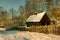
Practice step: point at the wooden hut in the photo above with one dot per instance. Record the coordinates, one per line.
(39, 19)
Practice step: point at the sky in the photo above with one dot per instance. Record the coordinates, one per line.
(7, 4)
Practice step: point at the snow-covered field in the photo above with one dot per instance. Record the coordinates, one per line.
(21, 35)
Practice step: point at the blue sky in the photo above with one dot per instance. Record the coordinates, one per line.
(7, 4)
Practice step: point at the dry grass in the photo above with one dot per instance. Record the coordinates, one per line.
(45, 29)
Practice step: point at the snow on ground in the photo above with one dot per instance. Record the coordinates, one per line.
(2, 28)
(21, 35)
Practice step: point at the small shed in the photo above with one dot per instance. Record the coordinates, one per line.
(39, 19)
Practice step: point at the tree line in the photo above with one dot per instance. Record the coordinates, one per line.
(18, 18)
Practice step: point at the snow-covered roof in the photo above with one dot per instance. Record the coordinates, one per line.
(35, 18)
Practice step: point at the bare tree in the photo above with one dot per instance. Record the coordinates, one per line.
(3, 17)
(12, 12)
(21, 10)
